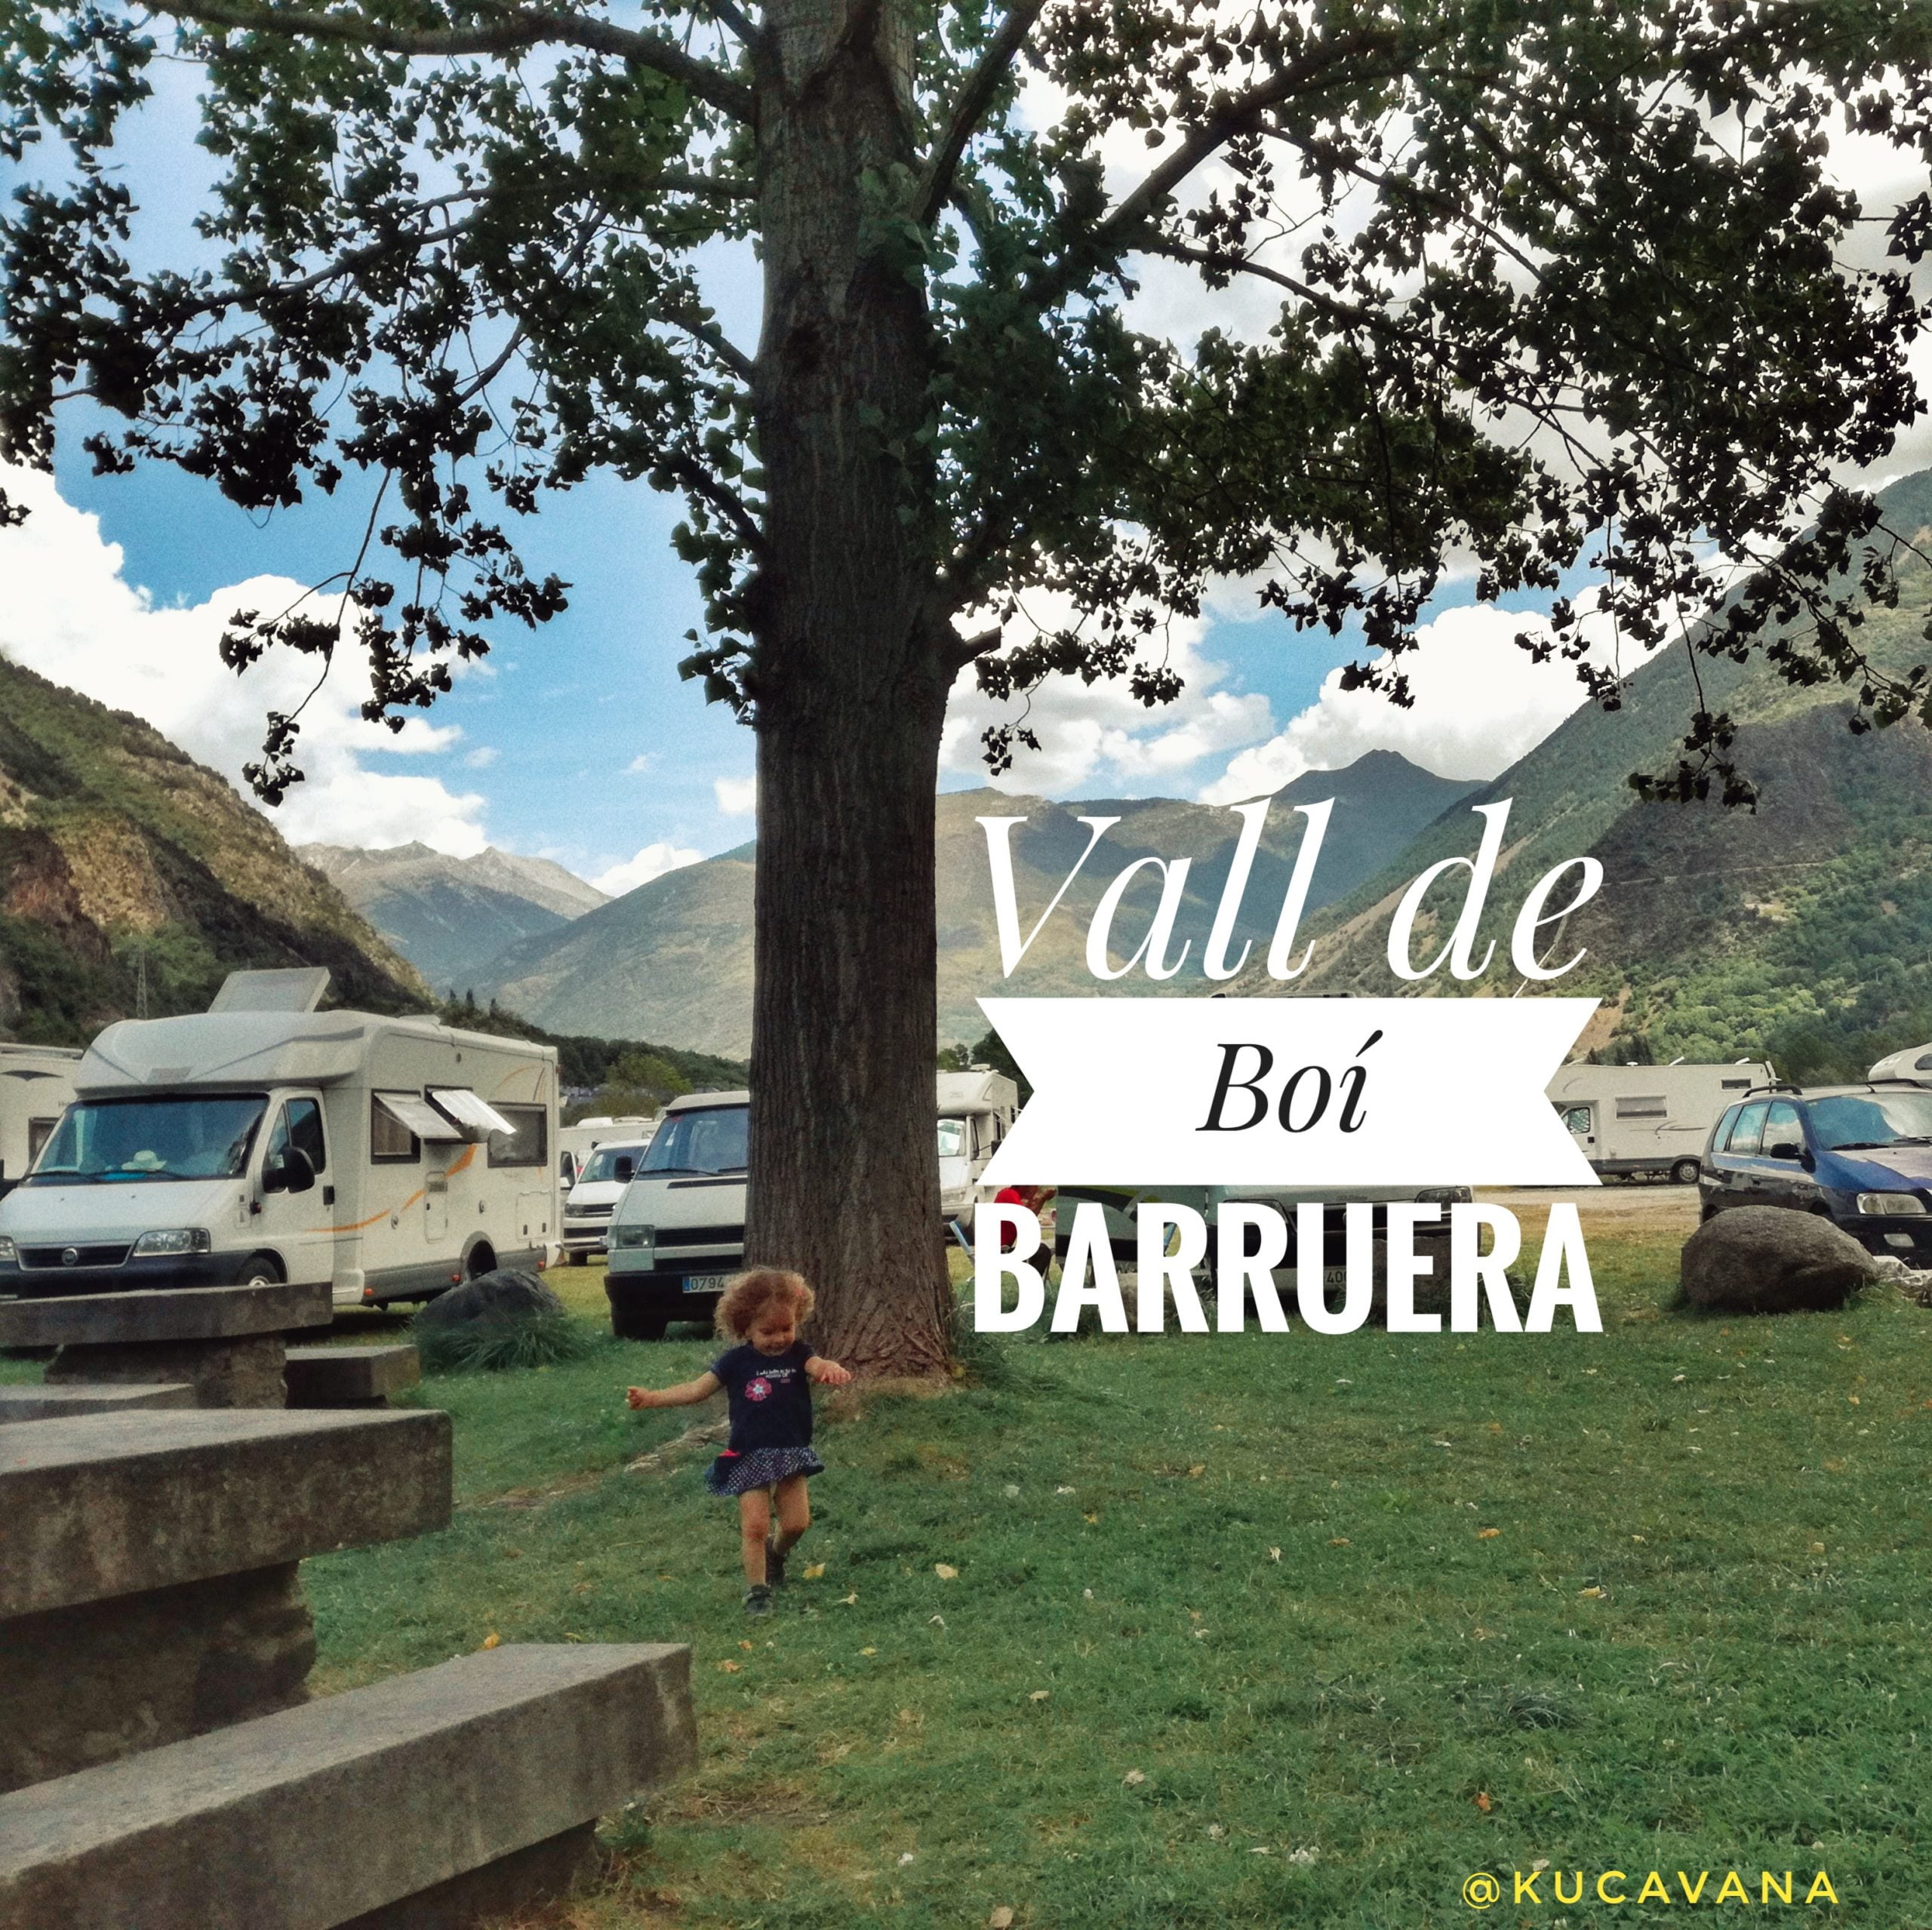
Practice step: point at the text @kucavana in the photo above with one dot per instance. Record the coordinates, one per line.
(1541, 1883)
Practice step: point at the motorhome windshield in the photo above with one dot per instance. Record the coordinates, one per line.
(706, 1139)
(1850, 1120)
(952, 1139)
(602, 1164)
(102, 1141)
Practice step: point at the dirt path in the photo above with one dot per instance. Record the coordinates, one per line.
(1612, 1209)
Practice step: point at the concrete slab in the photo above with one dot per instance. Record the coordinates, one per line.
(117, 1504)
(348, 1376)
(186, 1312)
(317, 1816)
(45, 1403)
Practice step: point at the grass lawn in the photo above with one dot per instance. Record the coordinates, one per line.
(1245, 1631)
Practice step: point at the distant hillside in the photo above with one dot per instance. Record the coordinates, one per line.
(1804, 931)
(451, 917)
(673, 959)
(122, 860)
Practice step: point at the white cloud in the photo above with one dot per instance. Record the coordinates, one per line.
(639, 765)
(1481, 703)
(1098, 734)
(70, 614)
(482, 757)
(653, 861)
(737, 797)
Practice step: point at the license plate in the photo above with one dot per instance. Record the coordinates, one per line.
(1335, 1278)
(704, 1283)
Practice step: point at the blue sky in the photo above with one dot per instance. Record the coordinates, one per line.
(579, 741)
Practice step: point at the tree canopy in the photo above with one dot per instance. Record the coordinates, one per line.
(1555, 292)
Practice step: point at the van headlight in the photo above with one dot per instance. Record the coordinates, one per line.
(173, 1240)
(1891, 1203)
(634, 1236)
(8, 1257)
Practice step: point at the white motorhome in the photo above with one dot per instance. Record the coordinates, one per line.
(265, 1140)
(36, 1087)
(1914, 1064)
(976, 1110)
(678, 1232)
(601, 1181)
(1629, 1120)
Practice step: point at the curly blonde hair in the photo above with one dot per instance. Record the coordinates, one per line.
(746, 1296)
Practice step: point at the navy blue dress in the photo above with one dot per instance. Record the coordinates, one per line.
(771, 1419)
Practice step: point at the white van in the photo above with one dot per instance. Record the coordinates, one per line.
(263, 1140)
(36, 1087)
(601, 1182)
(678, 1232)
(976, 1110)
(575, 1144)
(1629, 1120)
(1913, 1065)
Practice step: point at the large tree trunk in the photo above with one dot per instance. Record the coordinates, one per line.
(850, 670)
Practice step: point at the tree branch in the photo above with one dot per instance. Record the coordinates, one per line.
(511, 33)
(936, 184)
(720, 344)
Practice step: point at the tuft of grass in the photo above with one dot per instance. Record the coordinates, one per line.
(499, 1342)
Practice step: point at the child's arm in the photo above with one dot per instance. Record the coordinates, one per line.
(827, 1373)
(687, 1393)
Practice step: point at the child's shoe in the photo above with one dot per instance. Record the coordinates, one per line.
(774, 1564)
(758, 1599)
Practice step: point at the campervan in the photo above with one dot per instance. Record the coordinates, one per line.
(1629, 1120)
(575, 1144)
(976, 1110)
(588, 1206)
(265, 1140)
(36, 1087)
(1914, 1063)
(678, 1232)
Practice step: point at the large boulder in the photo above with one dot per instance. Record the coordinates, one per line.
(508, 1294)
(1771, 1260)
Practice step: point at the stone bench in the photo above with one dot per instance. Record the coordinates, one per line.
(148, 1585)
(350, 1376)
(45, 1403)
(226, 1342)
(422, 1801)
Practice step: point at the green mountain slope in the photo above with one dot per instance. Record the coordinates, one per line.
(673, 959)
(1801, 930)
(122, 861)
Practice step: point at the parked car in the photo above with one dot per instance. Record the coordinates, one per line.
(600, 1185)
(1861, 1155)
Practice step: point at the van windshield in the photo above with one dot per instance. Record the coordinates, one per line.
(706, 1139)
(952, 1139)
(602, 1164)
(1853, 1119)
(100, 1140)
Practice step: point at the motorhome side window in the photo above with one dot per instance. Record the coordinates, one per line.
(300, 1125)
(528, 1144)
(390, 1143)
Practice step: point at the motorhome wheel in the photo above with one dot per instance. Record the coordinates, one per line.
(1684, 1172)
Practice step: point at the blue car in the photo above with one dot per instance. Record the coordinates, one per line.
(1861, 1155)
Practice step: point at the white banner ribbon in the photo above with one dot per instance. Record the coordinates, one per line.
(1317, 1091)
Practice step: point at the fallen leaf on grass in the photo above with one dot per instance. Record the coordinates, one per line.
(492, 1640)
(1338, 1541)
(1274, 1554)
(905, 1859)
(729, 1668)
(1817, 1547)
(1039, 1695)
(744, 1645)
(937, 1622)
(1062, 1491)
(1134, 1778)
(868, 1652)
(814, 1571)
(846, 1601)
(1488, 1534)
(1090, 1517)
(1001, 1919)
(1590, 1594)
(1216, 1831)
(1199, 1468)
(946, 1571)
(1483, 1802)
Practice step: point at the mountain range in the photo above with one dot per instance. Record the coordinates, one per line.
(131, 877)
(672, 959)
(451, 916)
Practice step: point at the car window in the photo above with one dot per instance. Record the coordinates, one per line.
(1781, 1125)
(1721, 1136)
(1748, 1135)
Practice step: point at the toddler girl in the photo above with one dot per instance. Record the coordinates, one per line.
(766, 1377)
